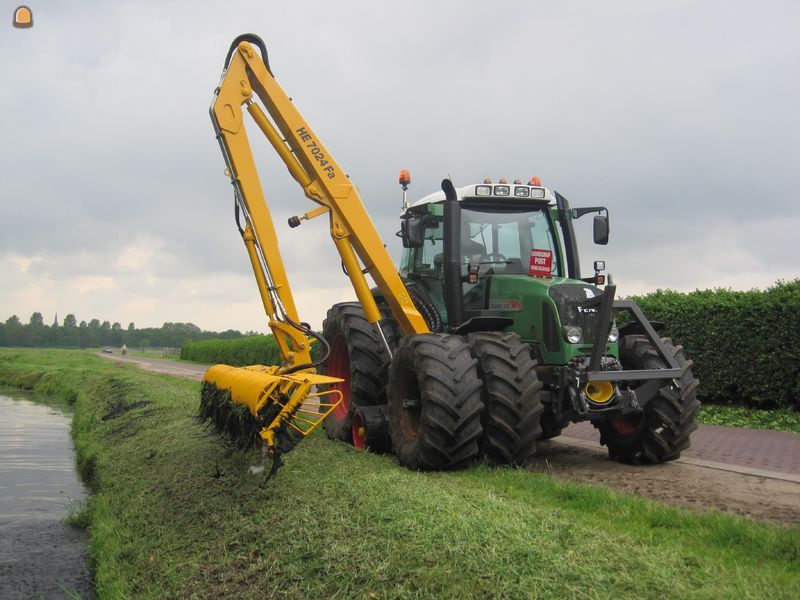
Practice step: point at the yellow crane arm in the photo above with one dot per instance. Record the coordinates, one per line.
(247, 74)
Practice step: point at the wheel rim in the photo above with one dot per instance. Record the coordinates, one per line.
(409, 422)
(626, 425)
(410, 403)
(359, 431)
(410, 408)
(338, 365)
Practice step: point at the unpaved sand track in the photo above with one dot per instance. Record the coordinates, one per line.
(681, 483)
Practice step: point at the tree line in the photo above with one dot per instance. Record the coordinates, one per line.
(73, 334)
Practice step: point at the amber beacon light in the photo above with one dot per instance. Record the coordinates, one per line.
(23, 17)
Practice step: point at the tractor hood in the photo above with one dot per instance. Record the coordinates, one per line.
(541, 309)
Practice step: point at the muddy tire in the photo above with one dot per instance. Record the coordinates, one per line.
(358, 357)
(435, 402)
(550, 428)
(511, 397)
(662, 431)
(371, 429)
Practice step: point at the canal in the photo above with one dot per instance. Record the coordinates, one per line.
(40, 555)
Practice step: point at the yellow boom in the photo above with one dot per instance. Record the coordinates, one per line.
(274, 395)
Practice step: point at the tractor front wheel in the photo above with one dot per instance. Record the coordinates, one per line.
(434, 402)
(662, 430)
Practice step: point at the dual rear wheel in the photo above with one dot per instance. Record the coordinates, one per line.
(449, 399)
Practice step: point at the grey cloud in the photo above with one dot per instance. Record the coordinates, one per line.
(680, 117)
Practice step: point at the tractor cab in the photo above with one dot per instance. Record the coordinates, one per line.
(517, 265)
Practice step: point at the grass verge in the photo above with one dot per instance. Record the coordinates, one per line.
(173, 514)
(739, 416)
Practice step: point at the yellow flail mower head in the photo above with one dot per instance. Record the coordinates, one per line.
(259, 405)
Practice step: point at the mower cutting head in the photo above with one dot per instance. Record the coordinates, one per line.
(260, 404)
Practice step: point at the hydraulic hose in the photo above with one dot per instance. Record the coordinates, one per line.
(253, 39)
(236, 215)
(308, 331)
(423, 304)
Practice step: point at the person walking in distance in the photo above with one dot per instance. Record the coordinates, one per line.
(124, 349)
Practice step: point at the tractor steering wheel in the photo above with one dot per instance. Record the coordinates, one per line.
(496, 257)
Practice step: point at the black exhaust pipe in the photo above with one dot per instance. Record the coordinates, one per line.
(453, 298)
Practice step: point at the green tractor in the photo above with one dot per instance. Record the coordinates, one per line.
(495, 266)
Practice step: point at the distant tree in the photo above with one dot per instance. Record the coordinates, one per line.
(115, 336)
(69, 334)
(83, 335)
(93, 334)
(96, 333)
(14, 333)
(36, 333)
(230, 334)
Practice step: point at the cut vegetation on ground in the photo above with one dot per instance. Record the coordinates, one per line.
(174, 514)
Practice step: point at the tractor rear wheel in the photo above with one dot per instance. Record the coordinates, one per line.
(511, 399)
(662, 431)
(435, 402)
(358, 357)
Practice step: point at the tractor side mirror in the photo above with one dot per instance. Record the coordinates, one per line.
(412, 231)
(601, 230)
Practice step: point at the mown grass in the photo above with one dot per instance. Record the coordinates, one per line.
(174, 514)
(740, 416)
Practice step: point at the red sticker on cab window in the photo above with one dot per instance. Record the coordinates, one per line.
(541, 263)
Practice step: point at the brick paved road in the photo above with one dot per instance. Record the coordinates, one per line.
(752, 448)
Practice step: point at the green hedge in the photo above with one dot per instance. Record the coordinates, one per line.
(745, 345)
(255, 350)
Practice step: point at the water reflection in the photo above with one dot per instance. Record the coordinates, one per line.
(40, 556)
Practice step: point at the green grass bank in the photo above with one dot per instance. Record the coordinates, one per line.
(174, 514)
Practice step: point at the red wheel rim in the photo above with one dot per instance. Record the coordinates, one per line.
(359, 432)
(339, 366)
(625, 425)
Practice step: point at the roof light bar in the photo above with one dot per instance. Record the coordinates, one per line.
(522, 191)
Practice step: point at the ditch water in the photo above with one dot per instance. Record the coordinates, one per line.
(40, 555)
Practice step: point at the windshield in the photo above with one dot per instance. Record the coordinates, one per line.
(507, 242)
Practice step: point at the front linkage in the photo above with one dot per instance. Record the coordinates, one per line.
(644, 404)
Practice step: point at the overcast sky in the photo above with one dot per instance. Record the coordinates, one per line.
(682, 117)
